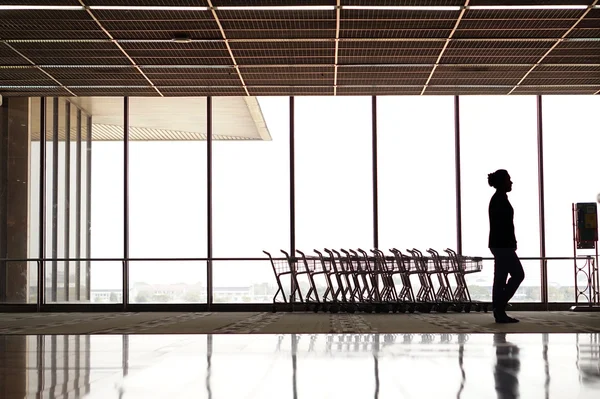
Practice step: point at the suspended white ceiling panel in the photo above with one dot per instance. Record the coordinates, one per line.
(159, 119)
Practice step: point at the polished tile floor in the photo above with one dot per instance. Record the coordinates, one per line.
(301, 366)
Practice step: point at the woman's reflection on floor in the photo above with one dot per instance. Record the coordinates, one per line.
(506, 370)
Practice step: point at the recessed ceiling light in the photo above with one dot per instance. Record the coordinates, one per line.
(404, 8)
(531, 7)
(27, 7)
(274, 8)
(181, 38)
(148, 8)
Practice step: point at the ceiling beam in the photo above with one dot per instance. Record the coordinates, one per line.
(87, 9)
(235, 64)
(560, 40)
(462, 12)
(338, 11)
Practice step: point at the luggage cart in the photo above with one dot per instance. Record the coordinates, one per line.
(345, 271)
(338, 297)
(329, 273)
(361, 289)
(426, 300)
(403, 268)
(312, 267)
(374, 274)
(282, 267)
(389, 295)
(461, 266)
(444, 294)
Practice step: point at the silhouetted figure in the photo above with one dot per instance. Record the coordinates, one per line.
(503, 244)
(506, 371)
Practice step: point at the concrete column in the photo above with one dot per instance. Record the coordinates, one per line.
(14, 190)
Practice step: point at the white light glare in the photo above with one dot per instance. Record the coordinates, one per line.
(404, 8)
(274, 8)
(17, 7)
(148, 8)
(531, 7)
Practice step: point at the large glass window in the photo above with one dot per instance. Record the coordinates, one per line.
(571, 170)
(416, 178)
(250, 194)
(500, 133)
(334, 189)
(167, 198)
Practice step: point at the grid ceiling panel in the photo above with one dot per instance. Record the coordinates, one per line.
(292, 76)
(465, 64)
(396, 52)
(162, 25)
(193, 76)
(102, 74)
(284, 53)
(586, 32)
(574, 56)
(24, 76)
(396, 24)
(48, 24)
(115, 91)
(456, 90)
(491, 75)
(194, 53)
(373, 91)
(90, 53)
(290, 91)
(10, 57)
(475, 81)
(592, 70)
(517, 23)
(548, 90)
(278, 24)
(557, 79)
(36, 92)
(201, 91)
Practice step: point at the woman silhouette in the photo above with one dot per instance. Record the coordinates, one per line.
(503, 244)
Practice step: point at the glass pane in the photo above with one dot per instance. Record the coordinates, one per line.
(561, 280)
(107, 281)
(104, 156)
(251, 203)
(500, 133)
(168, 282)
(16, 188)
(245, 281)
(167, 188)
(334, 189)
(84, 267)
(416, 177)
(480, 284)
(571, 171)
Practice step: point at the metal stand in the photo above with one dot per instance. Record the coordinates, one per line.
(587, 266)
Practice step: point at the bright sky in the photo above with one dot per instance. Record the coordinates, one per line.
(416, 180)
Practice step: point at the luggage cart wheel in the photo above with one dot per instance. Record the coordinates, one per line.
(467, 308)
(485, 308)
(411, 309)
(316, 308)
(274, 309)
(443, 308)
(351, 309)
(334, 309)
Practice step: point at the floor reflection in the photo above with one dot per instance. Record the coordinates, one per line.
(301, 366)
